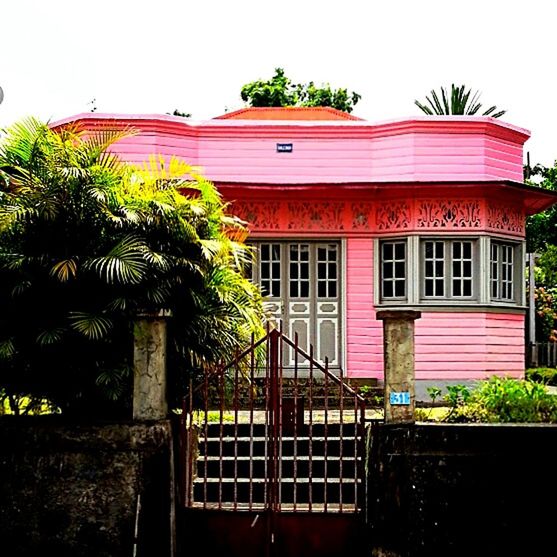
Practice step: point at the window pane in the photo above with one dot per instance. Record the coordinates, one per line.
(400, 289)
(387, 251)
(457, 288)
(388, 290)
(429, 287)
(456, 250)
(400, 250)
(400, 269)
(388, 270)
(439, 287)
(304, 290)
(439, 250)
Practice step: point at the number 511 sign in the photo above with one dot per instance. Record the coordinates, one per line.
(400, 398)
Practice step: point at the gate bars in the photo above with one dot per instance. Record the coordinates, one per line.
(260, 435)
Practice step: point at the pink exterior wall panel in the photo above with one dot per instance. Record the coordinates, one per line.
(364, 334)
(430, 148)
(469, 345)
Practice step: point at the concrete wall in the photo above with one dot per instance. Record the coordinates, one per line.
(462, 490)
(69, 490)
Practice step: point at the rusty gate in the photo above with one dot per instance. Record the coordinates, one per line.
(274, 437)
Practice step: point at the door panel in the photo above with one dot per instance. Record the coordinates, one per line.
(302, 285)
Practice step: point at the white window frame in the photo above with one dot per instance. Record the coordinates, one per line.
(481, 273)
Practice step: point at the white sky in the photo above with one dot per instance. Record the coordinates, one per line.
(138, 56)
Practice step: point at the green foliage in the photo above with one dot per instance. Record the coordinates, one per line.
(459, 102)
(544, 375)
(501, 400)
(87, 242)
(281, 91)
(541, 229)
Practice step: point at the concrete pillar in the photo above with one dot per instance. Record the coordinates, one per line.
(398, 350)
(149, 361)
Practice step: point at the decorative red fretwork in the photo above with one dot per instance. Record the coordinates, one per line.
(433, 213)
(259, 216)
(361, 216)
(393, 215)
(315, 216)
(505, 218)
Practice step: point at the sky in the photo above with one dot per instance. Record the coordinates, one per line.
(63, 57)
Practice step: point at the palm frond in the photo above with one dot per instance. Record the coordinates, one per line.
(51, 336)
(94, 327)
(125, 263)
(7, 348)
(64, 270)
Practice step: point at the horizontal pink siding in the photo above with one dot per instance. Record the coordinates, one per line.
(418, 149)
(463, 346)
(364, 334)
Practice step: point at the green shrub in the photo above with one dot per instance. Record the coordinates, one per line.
(545, 375)
(505, 400)
(498, 400)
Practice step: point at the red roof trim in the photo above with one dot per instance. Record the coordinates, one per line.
(288, 113)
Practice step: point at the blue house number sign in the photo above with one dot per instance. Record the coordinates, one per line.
(400, 398)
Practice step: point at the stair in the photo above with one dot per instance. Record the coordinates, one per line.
(319, 467)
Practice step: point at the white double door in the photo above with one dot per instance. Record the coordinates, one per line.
(302, 288)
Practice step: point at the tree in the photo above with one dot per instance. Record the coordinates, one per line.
(281, 91)
(86, 242)
(458, 103)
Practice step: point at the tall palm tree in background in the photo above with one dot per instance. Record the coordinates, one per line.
(87, 242)
(459, 102)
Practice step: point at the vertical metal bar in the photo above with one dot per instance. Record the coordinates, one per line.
(280, 453)
(267, 418)
(206, 435)
(341, 436)
(356, 447)
(251, 428)
(221, 432)
(274, 411)
(296, 418)
(310, 436)
(361, 464)
(236, 387)
(326, 433)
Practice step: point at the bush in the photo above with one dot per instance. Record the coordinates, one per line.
(545, 375)
(501, 400)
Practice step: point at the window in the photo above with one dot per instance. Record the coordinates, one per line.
(448, 269)
(424, 270)
(501, 266)
(393, 270)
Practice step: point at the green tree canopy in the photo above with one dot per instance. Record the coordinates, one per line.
(459, 102)
(87, 242)
(281, 91)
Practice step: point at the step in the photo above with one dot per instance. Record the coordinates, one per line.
(259, 429)
(246, 446)
(245, 467)
(214, 490)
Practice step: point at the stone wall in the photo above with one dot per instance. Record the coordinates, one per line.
(85, 490)
(482, 490)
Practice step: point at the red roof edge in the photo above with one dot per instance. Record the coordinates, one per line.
(325, 113)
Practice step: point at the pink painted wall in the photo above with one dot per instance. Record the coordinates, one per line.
(244, 151)
(469, 345)
(364, 334)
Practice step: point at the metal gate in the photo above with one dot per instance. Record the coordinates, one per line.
(264, 436)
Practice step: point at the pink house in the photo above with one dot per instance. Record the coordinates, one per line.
(349, 217)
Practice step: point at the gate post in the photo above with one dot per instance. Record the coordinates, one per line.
(398, 350)
(149, 363)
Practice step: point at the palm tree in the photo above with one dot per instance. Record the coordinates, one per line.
(459, 102)
(86, 242)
